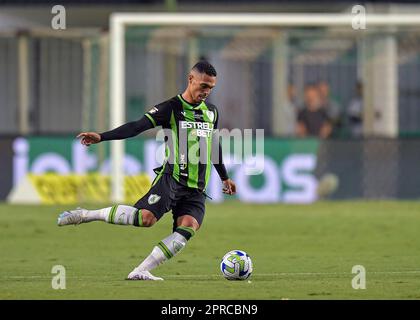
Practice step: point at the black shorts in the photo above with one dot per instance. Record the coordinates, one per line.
(167, 194)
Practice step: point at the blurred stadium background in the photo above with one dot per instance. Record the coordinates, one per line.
(56, 83)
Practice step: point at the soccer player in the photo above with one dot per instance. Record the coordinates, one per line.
(180, 183)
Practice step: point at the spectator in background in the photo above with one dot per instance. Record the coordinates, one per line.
(313, 120)
(355, 112)
(329, 104)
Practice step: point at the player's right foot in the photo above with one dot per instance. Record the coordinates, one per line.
(142, 275)
(71, 217)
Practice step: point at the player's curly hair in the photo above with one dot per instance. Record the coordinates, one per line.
(204, 66)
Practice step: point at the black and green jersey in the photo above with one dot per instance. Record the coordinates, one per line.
(188, 137)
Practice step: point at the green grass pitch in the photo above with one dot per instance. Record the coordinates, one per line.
(298, 251)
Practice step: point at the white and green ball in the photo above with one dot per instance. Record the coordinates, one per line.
(236, 265)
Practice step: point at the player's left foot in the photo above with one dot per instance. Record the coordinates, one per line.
(71, 217)
(141, 275)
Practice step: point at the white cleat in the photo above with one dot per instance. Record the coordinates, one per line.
(141, 275)
(71, 217)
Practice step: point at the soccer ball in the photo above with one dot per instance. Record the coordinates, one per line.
(236, 265)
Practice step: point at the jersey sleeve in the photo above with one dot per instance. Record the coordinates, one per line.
(216, 116)
(127, 130)
(160, 114)
(217, 152)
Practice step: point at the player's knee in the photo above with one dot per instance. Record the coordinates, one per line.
(148, 219)
(188, 221)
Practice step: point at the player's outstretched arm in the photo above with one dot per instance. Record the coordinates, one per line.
(127, 130)
(88, 138)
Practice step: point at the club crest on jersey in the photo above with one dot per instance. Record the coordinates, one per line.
(153, 198)
(153, 110)
(209, 114)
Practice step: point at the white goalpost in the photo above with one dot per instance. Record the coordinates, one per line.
(119, 22)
